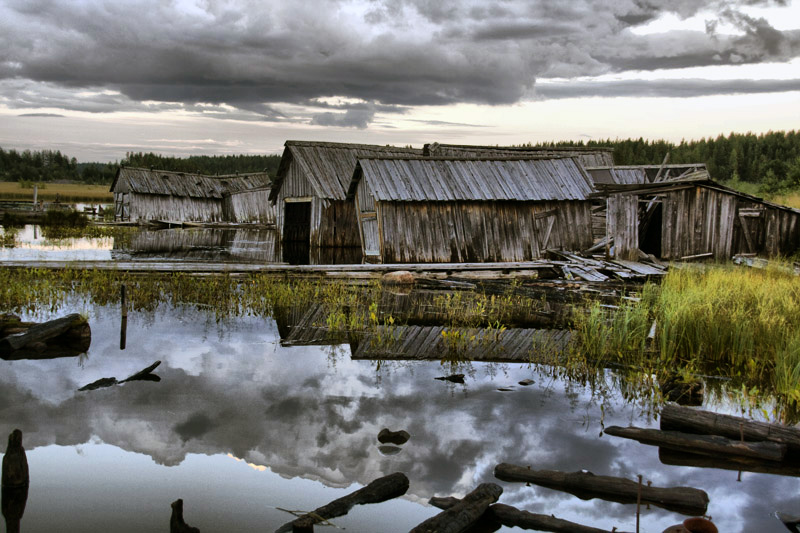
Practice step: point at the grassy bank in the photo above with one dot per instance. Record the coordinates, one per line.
(66, 192)
(733, 323)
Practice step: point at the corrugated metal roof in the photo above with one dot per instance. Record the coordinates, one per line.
(588, 156)
(329, 166)
(164, 182)
(446, 179)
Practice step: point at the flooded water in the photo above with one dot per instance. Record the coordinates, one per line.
(240, 425)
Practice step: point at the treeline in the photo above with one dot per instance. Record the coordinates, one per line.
(205, 164)
(50, 166)
(771, 160)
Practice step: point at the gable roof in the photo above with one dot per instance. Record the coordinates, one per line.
(587, 155)
(449, 179)
(329, 166)
(169, 183)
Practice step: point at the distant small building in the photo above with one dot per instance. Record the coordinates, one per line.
(144, 195)
(431, 209)
(310, 191)
(693, 216)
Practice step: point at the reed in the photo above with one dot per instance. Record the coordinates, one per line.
(65, 192)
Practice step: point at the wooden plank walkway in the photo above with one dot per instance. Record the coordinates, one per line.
(221, 268)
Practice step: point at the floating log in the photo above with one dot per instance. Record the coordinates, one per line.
(677, 418)
(145, 374)
(498, 515)
(464, 514)
(743, 464)
(703, 444)
(380, 490)
(15, 463)
(585, 485)
(63, 337)
(176, 523)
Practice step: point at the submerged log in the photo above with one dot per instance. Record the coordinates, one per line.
(15, 463)
(703, 444)
(499, 515)
(380, 490)
(176, 523)
(146, 374)
(742, 464)
(585, 485)
(63, 337)
(675, 417)
(464, 514)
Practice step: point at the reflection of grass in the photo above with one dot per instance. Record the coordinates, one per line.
(735, 323)
(66, 192)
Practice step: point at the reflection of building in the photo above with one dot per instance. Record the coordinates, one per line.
(240, 245)
(142, 195)
(434, 209)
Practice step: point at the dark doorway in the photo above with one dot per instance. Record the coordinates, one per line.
(297, 232)
(650, 229)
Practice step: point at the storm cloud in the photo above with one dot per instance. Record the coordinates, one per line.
(252, 61)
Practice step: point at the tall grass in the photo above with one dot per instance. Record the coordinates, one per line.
(739, 324)
(66, 192)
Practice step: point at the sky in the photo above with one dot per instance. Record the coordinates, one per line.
(96, 79)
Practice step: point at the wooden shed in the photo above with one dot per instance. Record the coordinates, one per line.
(143, 195)
(431, 209)
(587, 156)
(697, 217)
(310, 190)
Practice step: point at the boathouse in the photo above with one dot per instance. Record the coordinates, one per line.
(144, 195)
(432, 209)
(694, 217)
(310, 191)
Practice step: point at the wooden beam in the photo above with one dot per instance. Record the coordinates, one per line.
(465, 513)
(380, 490)
(585, 485)
(704, 444)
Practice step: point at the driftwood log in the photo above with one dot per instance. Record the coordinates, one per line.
(499, 515)
(703, 444)
(145, 374)
(380, 490)
(63, 337)
(176, 523)
(585, 485)
(744, 464)
(464, 514)
(677, 418)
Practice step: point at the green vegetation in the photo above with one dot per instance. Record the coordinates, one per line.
(64, 192)
(732, 323)
(205, 164)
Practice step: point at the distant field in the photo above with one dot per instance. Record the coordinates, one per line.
(792, 199)
(67, 192)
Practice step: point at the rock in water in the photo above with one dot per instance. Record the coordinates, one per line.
(386, 436)
(15, 463)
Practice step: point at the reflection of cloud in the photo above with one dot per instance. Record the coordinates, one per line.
(230, 389)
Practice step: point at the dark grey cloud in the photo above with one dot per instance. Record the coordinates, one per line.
(245, 61)
(679, 88)
(40, 115)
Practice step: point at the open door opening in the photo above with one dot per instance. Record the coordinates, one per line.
(297, 232)
(650, 230)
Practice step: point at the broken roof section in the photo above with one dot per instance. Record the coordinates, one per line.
(329, 166)
(640, 174)
(588, 156)
(415, 179)
(168, 183)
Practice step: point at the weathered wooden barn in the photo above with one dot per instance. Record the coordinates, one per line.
(310, 191)
(587, 156)
(694, 217)
(143, 195)
(431, 209)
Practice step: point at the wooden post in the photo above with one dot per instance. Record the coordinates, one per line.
(638, 502)
(176, 522)
(35, 196)
(123, 331)
(15, 463)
